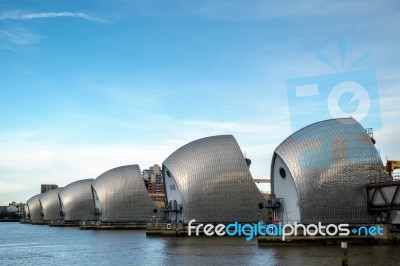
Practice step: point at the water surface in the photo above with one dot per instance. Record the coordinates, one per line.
(24, 244)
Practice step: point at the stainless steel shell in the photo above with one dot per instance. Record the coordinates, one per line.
(34, 208)
(122, 195)
(51, 206)
(214, 181)
(331, 161)
(77, 201)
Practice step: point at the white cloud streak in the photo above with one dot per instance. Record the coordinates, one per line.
(17, 15)
(27, 161)
(14, 37)
(19, 36)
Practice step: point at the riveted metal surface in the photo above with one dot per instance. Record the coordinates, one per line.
(123, 196)
(34, 207)
(331, 162)
(51, 205)
(77, 201)
(214, 181)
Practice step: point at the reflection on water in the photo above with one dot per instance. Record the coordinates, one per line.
(23, 244)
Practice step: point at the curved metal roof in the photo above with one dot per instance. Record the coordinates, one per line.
(77, 201)
(123, 196)
(51, 206)
(331, 161)
(34, 207)
(214, 181)
(26, 210)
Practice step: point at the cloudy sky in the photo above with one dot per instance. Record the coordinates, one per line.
(90, 85)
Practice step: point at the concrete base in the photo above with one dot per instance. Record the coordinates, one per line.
(97, 225)
(49, 222)
(38, 222)
(165, 229)
(9, 220)
(63, 223)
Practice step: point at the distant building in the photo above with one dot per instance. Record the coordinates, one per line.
(47, 187)
(155, 184)
(6, 215)
(3, 209)
(17, 208)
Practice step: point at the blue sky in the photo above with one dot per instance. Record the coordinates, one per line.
(88, 86)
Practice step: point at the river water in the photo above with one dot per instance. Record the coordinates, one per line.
(24, 244)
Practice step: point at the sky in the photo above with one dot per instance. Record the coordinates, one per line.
(87, 86)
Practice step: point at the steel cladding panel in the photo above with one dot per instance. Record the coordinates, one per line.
(331, 161)
(214, 181)
(26, 211)
(51, 205)
(35, 210)
(123, 195)
(77, 201)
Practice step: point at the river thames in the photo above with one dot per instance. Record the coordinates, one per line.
(24, 244)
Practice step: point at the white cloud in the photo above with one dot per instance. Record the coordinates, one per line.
(16, 37)
(19, 36)
(18, 15)
(24, 165)
(28, 158)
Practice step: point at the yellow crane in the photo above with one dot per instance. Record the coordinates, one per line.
(391, 166)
